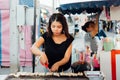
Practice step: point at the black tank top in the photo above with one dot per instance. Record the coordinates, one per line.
(55, 52)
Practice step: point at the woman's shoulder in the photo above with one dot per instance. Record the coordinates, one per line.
(45, 35)
(71, 38)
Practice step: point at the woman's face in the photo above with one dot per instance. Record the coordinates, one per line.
(56, 28)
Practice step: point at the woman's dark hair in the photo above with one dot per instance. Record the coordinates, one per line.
(87, 24)
(60, 18)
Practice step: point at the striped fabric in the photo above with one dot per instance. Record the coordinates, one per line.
(5, 42)
(0, 40)
(25, 54)
(29, 3)
(4, 31)
(4, 4)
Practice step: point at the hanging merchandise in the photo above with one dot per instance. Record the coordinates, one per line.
(117, 41)
(25, 43)
(4, 37)
(4, 4)
(108, 44)
(107, 10)
(96, 64)
(87, 54)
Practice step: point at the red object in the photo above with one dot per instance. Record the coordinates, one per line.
(46, 65)
(107, 13)
(113, 62)
(81, 56)
(95, 62)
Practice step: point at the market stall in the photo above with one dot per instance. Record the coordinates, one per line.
(72, 8)
(110, 8)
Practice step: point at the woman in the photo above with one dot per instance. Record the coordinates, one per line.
(57, 43)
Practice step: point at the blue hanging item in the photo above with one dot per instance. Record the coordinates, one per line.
(101, 33)
(0, 40)
(29, 3)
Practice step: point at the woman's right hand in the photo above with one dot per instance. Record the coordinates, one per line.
(44, 59)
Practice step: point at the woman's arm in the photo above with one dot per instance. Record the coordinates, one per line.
(64, 60)
(66, 56)
(35, 47)
(97, 22)
(36, 51)
(95, 31)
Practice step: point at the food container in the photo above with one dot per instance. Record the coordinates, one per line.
(46, 76)
(108, 44)
(94, 75)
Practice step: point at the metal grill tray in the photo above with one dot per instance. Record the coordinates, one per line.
(46, 77)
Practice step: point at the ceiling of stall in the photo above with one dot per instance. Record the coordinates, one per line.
(89, 6)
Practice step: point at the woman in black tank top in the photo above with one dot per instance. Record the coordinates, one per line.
(57, 43)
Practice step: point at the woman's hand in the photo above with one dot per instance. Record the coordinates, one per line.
(55, 67)
(44, 59)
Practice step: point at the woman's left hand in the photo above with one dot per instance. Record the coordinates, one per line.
(55, 67)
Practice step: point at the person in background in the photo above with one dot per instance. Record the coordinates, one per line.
(91, 29)
(57, 43)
